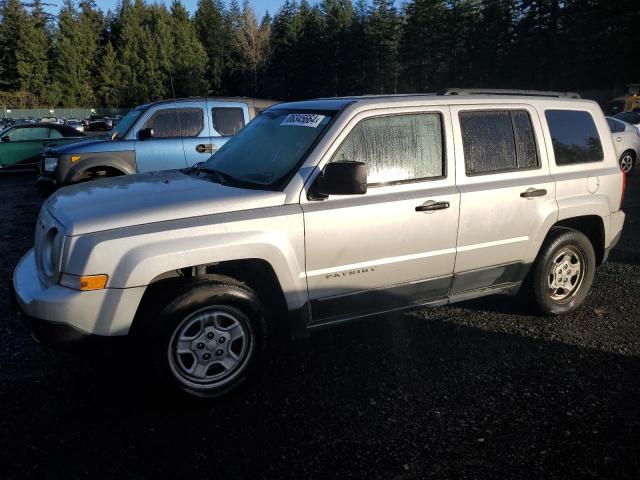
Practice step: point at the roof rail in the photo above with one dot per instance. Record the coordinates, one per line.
(504, 91)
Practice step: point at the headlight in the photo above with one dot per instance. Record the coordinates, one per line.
(50, 164)
(51, 251)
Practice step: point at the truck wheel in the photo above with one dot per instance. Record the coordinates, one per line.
(210, 339)
(627, 161)
(563, 272)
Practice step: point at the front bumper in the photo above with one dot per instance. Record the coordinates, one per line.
(59, 315)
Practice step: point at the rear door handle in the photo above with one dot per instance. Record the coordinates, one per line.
(206, 148)
(431, 205)
(533, 192)
(618, 139)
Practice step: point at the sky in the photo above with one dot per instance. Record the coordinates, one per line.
(260, 6)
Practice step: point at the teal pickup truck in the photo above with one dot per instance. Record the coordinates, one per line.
(21, 145)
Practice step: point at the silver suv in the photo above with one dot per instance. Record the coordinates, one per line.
(323, 211)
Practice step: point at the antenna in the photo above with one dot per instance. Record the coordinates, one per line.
(175, 106)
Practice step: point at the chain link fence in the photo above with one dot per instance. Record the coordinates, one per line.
(66, 113)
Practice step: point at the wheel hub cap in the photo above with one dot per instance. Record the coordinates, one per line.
(566, 273)
(210, 347)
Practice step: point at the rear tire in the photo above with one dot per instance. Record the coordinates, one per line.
(627, 161)
(563, 272)
(209, 340)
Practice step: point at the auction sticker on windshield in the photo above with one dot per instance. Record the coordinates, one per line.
(302, 120)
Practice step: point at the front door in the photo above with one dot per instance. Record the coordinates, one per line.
(175, 127)
(395, 245)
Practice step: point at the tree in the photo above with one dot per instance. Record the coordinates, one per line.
(310, 30)
(250, 41)
(189, 56)
(31, 50)
(108, 74)
(213, 33)
(383, 35)
(338, 17)
(422, 53)
(13, 19)
(285, 29)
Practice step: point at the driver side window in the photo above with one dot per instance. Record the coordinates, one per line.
(397, 148)
(20, 134)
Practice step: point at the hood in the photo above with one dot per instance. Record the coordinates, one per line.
(94, 146)
(147, 198)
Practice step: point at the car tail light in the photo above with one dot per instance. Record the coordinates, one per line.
(624, 187)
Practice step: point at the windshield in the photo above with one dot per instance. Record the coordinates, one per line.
(123, 125)
(629, 117)
(269, 148)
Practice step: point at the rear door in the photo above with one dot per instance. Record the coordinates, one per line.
(507, 193)
(227, 119)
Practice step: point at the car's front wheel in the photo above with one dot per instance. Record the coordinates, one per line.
(210, 339)
(563, 272)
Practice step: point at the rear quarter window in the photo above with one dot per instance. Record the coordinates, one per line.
(575, 137)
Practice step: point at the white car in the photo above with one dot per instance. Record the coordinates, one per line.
(629, 117)
(626, 138)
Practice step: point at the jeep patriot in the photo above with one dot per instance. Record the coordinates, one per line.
(323, 211)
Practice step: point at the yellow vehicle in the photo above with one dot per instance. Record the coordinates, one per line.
(627, 103)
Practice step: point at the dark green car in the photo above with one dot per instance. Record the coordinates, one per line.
(22, 144)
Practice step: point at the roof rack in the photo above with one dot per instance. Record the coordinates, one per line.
(494, 91)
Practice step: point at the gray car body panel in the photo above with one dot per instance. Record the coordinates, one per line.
(344, 250)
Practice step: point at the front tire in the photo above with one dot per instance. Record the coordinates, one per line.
(563, 272)
(210, 339)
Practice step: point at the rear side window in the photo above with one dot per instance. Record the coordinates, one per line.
(575, 137)
(397, 148)
(53, 133)
(176, 122)
(227, 121)
(498, 141)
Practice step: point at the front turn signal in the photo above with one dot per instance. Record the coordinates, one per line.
(84, 282)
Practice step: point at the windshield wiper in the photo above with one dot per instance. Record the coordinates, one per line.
(226, 179)
(219, 178)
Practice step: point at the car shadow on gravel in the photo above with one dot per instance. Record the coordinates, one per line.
(399, 396)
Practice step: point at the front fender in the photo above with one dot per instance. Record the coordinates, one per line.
(134, 256)
(69, 172)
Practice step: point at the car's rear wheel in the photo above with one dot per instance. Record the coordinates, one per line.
(627, 161)
(563, 272)
(210, 339)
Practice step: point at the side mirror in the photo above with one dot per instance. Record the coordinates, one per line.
(342, 178)
(6, 138)
(145, 134)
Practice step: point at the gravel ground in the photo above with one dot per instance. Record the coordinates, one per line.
(482, 389)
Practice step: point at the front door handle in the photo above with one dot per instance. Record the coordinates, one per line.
(206, 148)
(431, 205)
(533, 192)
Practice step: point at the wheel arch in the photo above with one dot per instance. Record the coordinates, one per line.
(592, 226)
(256, 273)
(121, 166)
